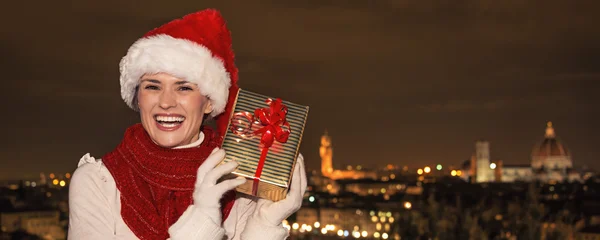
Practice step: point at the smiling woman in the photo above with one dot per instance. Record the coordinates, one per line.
(161, 181)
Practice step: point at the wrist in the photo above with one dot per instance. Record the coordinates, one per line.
(195, 222)
(264, 217)
(258, 227)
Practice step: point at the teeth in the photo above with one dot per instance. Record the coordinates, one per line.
(168, 125)
(169, 119)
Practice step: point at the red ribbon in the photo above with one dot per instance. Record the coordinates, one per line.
(274, 128)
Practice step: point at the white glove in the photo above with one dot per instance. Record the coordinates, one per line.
(208, 193)
(202, 220)
(273, 213)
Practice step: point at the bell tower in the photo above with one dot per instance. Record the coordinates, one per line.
(326, 152)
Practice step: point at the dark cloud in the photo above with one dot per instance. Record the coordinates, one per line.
(393, 81)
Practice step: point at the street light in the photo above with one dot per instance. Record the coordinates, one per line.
(427, 169)
(420, 171)
(438, 167)
(453, 173)
(492, 166)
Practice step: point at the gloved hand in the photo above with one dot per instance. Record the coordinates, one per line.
(273, 213)
(202, 220)
(208, 193)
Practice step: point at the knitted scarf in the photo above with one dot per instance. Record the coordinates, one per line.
(157, 183)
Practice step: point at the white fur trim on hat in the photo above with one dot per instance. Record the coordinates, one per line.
(179, 57)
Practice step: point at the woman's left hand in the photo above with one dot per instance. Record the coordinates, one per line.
(273, 213)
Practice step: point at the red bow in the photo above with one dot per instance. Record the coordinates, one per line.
(273, 121)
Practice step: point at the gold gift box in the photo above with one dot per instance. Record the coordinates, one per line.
(246, 148)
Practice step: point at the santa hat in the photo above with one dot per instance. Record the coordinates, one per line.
(196, 48)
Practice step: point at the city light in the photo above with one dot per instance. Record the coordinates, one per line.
(317, 224)
(295, 226)
(55, 181)
(356, 234)
(391, 219)
(346, 233)
(62, 183)
(378, 226)
(376, 235)
(407, 205)
(453, 173)
(340, 232)
(33, 184)
(384, 236)
(420, 171)
(323, 230)
(459, 173)
(438, 167)
(374, 218)
(364, 234)
(52, 176)
(311, 199)
(427, 169)
(68, 175)
(492, 165)
(359, 167)
(392, 176)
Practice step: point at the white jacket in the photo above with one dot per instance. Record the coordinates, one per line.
(95, 212)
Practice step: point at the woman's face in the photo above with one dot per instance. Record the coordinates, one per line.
(171, 109)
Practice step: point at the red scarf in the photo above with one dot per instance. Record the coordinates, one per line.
(157, 183)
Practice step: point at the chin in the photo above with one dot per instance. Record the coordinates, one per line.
(169, 135)
(167, 144)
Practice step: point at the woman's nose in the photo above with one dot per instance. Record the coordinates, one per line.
(167, 100)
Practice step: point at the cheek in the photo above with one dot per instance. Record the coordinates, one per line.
(194, 105)
(145, 103)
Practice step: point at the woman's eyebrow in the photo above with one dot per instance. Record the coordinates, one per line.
(181, 82)
(151, 80)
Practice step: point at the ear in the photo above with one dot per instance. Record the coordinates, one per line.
(208, 108)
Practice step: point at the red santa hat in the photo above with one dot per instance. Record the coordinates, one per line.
(196, 48)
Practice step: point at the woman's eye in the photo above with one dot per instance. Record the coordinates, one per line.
(151, 87)
(183, 88)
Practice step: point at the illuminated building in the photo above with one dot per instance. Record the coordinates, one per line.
(550, 162)
(482, 156)
(40, 223)
(326, 152)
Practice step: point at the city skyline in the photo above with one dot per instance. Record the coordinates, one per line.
(392, 82)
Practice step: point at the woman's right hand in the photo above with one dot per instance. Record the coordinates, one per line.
(208, 192)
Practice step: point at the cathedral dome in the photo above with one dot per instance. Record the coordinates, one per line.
(550, 146)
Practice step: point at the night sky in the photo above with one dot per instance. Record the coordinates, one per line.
(392, 81)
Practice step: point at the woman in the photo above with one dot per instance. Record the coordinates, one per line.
(161, 181)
